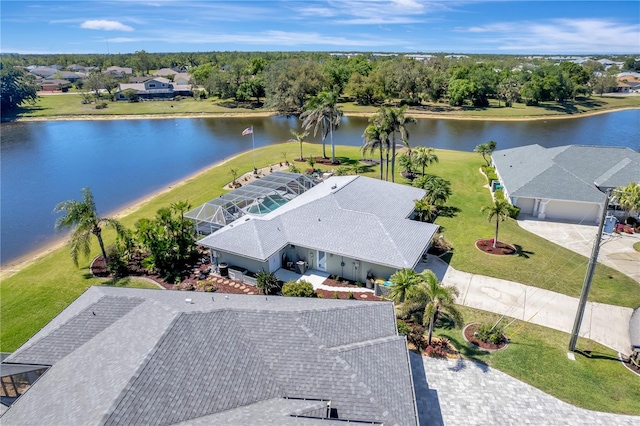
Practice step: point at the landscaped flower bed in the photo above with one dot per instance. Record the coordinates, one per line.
(500, 248)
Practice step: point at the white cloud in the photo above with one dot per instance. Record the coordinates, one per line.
(103, 24)
(559, 36)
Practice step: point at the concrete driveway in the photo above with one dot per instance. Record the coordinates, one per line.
(616, 250)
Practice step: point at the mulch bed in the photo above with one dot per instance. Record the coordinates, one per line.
(501, 249)
(319, 160)
(627, 363)
(192, 282)
(469, 332)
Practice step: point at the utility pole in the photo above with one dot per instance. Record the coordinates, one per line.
(586, 285)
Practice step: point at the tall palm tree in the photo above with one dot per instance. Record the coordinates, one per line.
(486, 149)
(299, 138)
(500, 210)
(82, 216)
(322, 113)
(395, 122)
(402, 280)
(374, 140)
(424, 156)
(438, 299)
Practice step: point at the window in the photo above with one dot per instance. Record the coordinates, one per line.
(152, 85)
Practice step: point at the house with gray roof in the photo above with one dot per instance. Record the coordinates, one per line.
(153, 88)
(350, 226)
(122, 356)
(566, 182)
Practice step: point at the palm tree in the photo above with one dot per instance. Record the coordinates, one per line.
(375, 138)
(425, 209)
(438, 189)
(423, 157)
(298, 137)
(394, 121)
(82, 216)
(402, 280)
(322, 114)
(486, 149)
(500, 210)
(629, 197)
(436, 298)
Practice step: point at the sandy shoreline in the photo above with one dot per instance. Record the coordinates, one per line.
(415, 114)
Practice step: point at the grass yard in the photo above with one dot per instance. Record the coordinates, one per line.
(70, 105)
(32, 297)
(538, 356)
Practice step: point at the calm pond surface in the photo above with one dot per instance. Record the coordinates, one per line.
(43, 163)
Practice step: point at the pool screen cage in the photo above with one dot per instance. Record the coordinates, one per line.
(258, 197)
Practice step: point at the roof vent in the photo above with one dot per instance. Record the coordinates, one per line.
(188, 301)
(334, 186)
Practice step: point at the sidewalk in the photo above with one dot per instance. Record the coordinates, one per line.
(605, 324)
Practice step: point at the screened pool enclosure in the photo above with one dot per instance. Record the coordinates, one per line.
(259, 197)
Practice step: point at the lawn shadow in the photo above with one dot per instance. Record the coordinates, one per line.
(18, 112)
(596, 355)
(448, 211)
(522, 252)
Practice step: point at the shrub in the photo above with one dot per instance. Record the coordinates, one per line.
(403, 327)
(298, 289)
(117, 261)
(293, 169)
(416, 337)
(351, 295)
(514, 212)
(438, 348)
(499, 194)
(490, 333)
(101, 105)
(336, 295)
(207, 286)
(267, 283)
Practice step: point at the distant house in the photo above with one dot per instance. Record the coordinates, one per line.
(182, 78)
(351, 226)
(154, 88)
(51, 85)
(566, 182)
(165, 72)
(44, 72)
(123, 356)
(133, 79)
(118, 72)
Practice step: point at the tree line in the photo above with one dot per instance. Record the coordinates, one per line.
(286, 80)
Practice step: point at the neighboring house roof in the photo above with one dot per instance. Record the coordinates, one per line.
(165, 72)
(182, 78)
(54, 82)
(132, 356)
(141, 88)
(118, 70)
(571, 172)
(139, 79)
(354, 216)
(43, 71)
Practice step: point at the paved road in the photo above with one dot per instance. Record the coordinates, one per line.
(467, 393)
(605, 324)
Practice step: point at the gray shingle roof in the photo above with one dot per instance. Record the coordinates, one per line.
(571, 173)
(362, 218)
(230, 359)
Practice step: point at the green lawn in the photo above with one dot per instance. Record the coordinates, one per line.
(70, 105)
(538, 356)
(33, 296)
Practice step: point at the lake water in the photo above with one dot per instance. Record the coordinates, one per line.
(43, 163)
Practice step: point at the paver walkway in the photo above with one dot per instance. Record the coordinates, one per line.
(605, 324)
(463, 392)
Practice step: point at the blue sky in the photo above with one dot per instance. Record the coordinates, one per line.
(503, 27)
